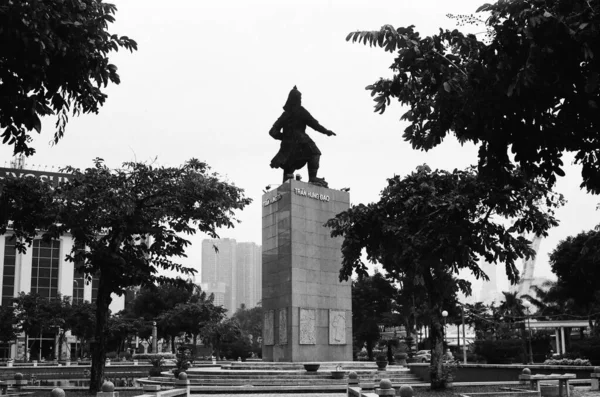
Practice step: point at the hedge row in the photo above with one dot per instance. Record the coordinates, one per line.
(150, 356)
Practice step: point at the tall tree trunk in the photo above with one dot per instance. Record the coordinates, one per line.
(436, 332)
(103, 300)
(173, 350)
(436, 336)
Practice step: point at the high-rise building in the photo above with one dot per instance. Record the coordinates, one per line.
(218, 266)
(232, 271)
(248, 274)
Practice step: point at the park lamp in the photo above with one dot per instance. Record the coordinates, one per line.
(444, 315)
(527, 305)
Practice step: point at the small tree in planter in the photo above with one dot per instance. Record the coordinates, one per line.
(182, 360)
(157, 368)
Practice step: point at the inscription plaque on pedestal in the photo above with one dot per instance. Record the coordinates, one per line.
(307, 326)
(268, 330)
(283, 326)
(337, 327)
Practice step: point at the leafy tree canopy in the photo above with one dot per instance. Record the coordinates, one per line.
(250, 321)
(9, 324)
(153, 300)
(133, 222)
(575, 262)
(53, 61)
(529, 86)
(372, 298)
(430, 225)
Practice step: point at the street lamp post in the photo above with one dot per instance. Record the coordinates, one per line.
(444, 315)
(527, 304)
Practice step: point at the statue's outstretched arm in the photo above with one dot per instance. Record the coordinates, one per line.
(314, 124)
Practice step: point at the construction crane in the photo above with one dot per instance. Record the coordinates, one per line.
(526, 278)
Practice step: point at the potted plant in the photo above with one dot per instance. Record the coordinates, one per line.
(338, 373)
(156, 369)
(381, 361)
(182, 360)
(401, 358)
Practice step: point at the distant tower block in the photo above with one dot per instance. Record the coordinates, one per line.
(489, 289)
(307, 310)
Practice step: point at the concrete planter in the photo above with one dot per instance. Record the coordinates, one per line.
(338, 374)
(312, 367)
(381, 365)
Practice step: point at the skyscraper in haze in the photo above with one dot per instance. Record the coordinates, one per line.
(232, 272)
(489, 289)
(248, 274)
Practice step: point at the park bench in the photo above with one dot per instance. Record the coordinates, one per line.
(563, 382)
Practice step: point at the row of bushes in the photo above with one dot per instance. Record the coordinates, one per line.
(580, 352)
(153, 356)
(567, 361)
(586, 348)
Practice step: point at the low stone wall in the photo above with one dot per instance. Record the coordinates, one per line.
(501, 372)
(515, 393)
(74, 371)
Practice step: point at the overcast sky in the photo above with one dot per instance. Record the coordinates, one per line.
(211, 77)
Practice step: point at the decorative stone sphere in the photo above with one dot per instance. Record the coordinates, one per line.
(596, 370)
(526, 371)
(385, 384)
(352, 375)
(406, 391)
(108, 387)
(182, 376)
(18, 376)
(57, 392)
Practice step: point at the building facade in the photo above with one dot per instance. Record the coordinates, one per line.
(232, 271)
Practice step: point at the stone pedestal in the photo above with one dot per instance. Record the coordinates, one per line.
(307, 310)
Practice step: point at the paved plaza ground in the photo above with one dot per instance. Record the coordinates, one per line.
(578, 392)
(585, 392)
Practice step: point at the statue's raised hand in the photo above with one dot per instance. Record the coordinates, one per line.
(330, 133)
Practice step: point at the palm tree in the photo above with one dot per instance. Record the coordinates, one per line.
(513, 312)
(553, 302)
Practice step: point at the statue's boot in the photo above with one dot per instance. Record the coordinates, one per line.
(318, 181)
(287, 176)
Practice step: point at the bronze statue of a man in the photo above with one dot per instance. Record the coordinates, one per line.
(297, 149)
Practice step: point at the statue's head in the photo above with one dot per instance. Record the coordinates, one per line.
(294, 100)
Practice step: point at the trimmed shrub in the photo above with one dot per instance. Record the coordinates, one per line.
(568, 361)
(111, 355)
(150, 356)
